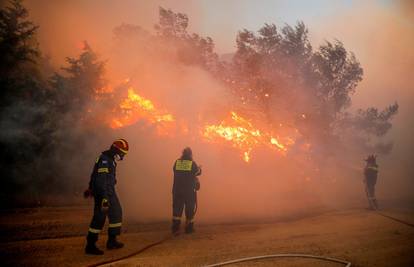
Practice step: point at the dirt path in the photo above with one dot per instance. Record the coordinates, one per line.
(359, 236)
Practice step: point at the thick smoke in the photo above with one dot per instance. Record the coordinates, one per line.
(267, 187)
(382, 36)
(270, 185)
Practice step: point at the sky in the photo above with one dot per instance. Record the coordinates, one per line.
(220, 20)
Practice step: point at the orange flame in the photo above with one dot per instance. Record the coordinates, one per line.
(241, 134)
(135, 108)
(237, 131)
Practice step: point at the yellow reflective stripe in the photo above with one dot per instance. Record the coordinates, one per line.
(101, 170)
(97, 159)
(189, 221)
(373, 168)
(124, 151)
(104, 201)
(124, 143)
(93, 230)
(115, 225)
(176, 218)
(183, 165)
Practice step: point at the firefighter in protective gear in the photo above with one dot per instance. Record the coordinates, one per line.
(370, 175)
(184, 192)
(102, 188)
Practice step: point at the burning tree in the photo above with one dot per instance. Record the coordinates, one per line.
(285, 96)
(277, 78)
(277, 73)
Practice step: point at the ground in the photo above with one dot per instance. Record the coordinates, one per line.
(55, 237)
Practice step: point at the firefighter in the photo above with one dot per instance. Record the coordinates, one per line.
(102, 188)
(184, 191)
(370, 175)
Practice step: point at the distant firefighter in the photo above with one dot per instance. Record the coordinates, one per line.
(371, 174)
(102, 188)
(185, 187)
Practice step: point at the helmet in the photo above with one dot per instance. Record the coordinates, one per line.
(187, 153)
(121, 145)
(371, 159)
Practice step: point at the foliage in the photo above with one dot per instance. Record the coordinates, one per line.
(49, 123)
(191, 49)
(77, 87)
(18, 53)
(44, 123)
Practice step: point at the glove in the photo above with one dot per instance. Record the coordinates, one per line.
(88, 193)
(104, 205)
(199, 171)
(197, 184)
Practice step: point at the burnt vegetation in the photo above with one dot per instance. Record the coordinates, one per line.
(49, 121)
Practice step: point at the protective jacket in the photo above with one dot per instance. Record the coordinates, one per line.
(185, 176)
(371, 174)
(103, 177)
(184, 192)
(102, 184)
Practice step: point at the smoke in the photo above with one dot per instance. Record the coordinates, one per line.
(382, 36)
(270, 185)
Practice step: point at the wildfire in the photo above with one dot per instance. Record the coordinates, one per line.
(136, 107)
(241, 134)
(237, 131)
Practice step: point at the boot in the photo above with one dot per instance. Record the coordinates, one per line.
(189, 228)
(113, 243)
(175, 228)
(375, 204)
(91, 249)
(91, 245)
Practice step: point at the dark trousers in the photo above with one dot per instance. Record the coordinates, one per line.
(370, 190)
(183, 200)
(370, 187)
(98, 220)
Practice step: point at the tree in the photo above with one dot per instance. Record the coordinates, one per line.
(190, 49)
(338, 73)
(75, 90)
(279, 74)
(18, 53)
(16, 37)
(44, 122)
(172, 24)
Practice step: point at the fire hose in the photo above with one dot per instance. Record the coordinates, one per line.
(346, 263)
(132, 254)
(374, 205)
(394, 219)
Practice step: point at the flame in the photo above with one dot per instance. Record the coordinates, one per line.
(135, 108)
(246, 156)
(237, 131)
(241, 134)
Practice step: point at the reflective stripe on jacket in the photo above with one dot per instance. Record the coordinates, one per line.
(103, 177)
(185, 172)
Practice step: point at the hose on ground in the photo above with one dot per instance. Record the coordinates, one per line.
(373, 204)
(132, 254)
(395, 219)
(346, 263)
